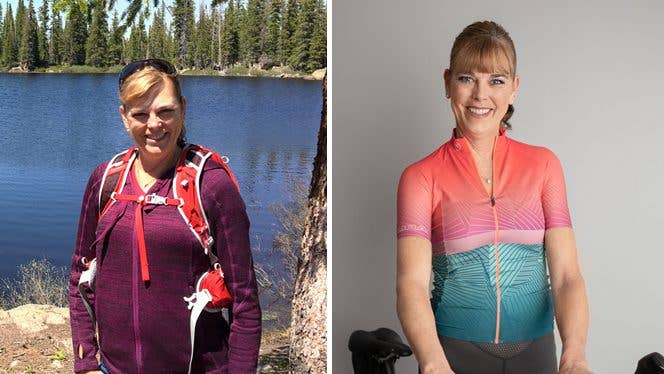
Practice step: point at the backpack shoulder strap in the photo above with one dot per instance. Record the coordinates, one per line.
(114, 178)
(186, 187)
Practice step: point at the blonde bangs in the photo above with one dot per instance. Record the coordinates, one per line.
(485, 55)
(140, 83)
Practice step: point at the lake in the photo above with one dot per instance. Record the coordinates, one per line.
(57, 128)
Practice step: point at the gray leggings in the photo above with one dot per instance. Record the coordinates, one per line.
(536, 356)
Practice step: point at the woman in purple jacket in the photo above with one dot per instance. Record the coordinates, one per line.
(148, 258)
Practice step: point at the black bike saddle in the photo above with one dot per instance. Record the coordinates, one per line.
(651, 364)
(381, 344)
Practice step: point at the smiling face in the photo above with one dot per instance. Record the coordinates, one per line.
(481, 81)
(155, 121)
(480, 100)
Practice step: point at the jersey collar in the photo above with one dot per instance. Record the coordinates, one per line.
(461, 144)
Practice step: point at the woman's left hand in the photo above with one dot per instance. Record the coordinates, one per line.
(574, 367)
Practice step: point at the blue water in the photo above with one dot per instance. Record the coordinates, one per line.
(57, 128)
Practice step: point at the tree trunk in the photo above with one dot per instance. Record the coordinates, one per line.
(308, 334)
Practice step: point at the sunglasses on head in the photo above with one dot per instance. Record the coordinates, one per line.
(156, 63)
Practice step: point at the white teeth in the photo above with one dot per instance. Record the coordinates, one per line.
(157, 138)
(479, 111)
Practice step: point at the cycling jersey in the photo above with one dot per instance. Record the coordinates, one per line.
(488, 260)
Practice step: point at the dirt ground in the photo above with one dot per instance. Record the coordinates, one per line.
(50, 351)
(47, 351)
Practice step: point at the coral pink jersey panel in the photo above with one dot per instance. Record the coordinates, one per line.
(443, 199)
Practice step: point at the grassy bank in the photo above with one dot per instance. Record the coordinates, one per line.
(236, 71)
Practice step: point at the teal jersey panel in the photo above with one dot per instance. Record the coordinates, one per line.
(465, 294)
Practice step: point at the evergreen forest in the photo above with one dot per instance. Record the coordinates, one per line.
(220, 35)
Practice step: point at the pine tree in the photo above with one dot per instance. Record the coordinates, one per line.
(230, 37)
(318, 43)
(203, 52)
(183, 19)
(18, 24)
(242, 27)
(28, 52)
(272, 45)
(137, 44)
(1, 19)
(215, 24)
(9, 44)
(288, 25)
(116, 41)
(75, 36)
(254, 29)
(42, 36)
(157, 36)
(303, 33)
(97, 44)
(56, 42)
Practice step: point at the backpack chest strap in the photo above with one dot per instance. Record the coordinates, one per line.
(140, 201)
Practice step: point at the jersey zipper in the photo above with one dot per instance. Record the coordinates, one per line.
(495, 239)
(492, 202)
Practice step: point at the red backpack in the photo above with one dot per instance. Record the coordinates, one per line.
(211, 292)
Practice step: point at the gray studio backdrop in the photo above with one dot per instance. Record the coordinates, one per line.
(592, 90)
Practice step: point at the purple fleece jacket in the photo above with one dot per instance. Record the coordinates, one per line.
(145, 328)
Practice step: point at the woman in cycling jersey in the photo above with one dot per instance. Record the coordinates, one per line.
(148, 237)
(487, 214)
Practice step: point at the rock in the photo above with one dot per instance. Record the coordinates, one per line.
(56, 364)
(5, 318)
(14, 364)
(34, 318)
(319, 74)
(265, 62)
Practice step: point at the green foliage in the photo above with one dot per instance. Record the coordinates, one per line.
(58, 355)
(272, 42)
(67, 6)
(115, 42)
(1, 19)
(183, 22)
(38, 282)
(56, 43)
(203, 52)
(18, 23)
(318, 41)
(288, 25)
(28, 51)
(230, 37)
(42, 35)
(158, 43)
(97, 44)
(75, 37)
(9, 43)
(303, 33)
(254, 22)
(137, 44)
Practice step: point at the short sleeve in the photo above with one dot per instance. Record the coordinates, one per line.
(414, 204)
(554, 195)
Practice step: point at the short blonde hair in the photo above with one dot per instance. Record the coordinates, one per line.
(485, 46)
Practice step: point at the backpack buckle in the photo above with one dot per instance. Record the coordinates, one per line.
(155, 199)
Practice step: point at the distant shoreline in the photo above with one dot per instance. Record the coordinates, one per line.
(277, 72)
